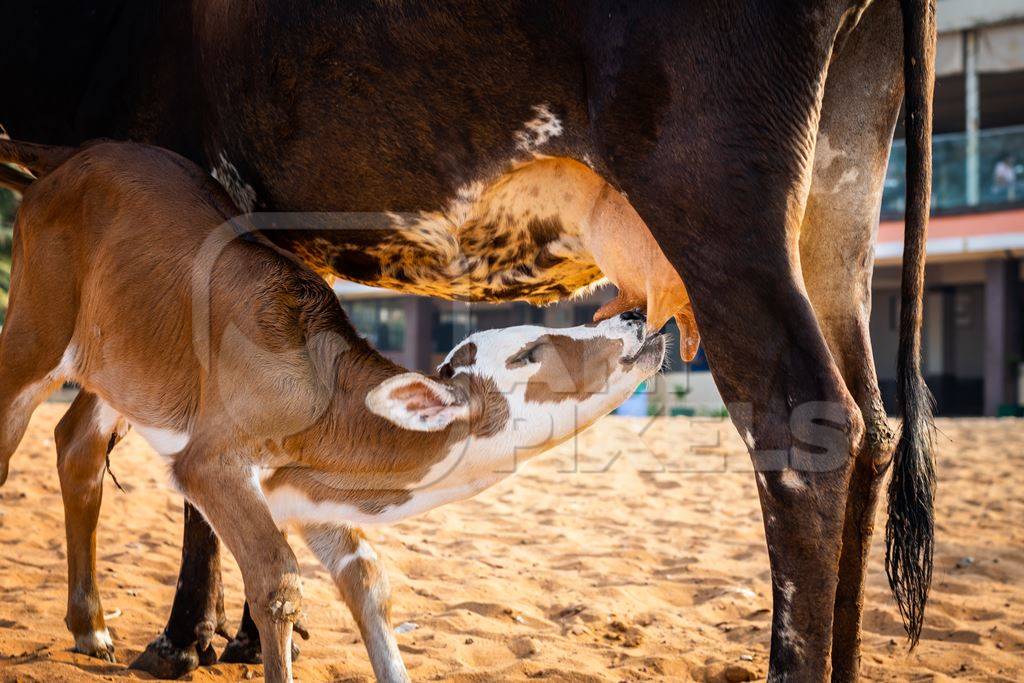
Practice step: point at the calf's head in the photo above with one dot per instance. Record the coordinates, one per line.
(520, 390)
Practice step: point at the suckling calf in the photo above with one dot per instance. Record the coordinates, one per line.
(238, 366)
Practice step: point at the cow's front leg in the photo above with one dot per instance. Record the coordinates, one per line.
(802, 427)
(197, 613)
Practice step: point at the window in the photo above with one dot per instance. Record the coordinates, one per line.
(381, 321)
(453, 322)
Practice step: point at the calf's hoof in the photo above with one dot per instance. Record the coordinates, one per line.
(96, 644)
(242, 649)
(165, 660)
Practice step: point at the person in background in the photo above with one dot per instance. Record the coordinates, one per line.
(1004, 178)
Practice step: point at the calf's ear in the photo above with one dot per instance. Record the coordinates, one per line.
(416, 402)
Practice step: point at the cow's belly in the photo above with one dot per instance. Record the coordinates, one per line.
(518, 236)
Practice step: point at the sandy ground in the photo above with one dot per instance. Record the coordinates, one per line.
(594, 564)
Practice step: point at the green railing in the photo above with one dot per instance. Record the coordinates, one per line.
(1000, 171)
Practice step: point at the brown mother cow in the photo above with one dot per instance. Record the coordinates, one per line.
(751, 137)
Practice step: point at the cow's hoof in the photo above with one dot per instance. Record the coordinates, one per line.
(96, 644)
(163, 659)
(244, 650)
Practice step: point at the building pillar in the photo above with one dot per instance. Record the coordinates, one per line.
(972, 127)
(1002, 333)
(419, 316)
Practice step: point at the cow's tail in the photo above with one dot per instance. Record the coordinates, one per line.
(39, 159)
(909, 532)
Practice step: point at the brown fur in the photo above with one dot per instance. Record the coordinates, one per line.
(574, 369)
(275, 382)
(280, 372)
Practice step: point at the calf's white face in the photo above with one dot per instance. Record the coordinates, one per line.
(517, 391)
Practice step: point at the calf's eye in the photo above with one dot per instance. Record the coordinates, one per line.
(525, 357)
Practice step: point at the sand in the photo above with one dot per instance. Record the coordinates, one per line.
(593, 564)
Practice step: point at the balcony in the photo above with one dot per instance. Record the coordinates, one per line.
(1000, 181)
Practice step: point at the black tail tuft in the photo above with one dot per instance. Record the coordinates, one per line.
(910, 530)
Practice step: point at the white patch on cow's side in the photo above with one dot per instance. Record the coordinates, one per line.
(785, 610)
(792, 480)
(761, 480)
(825, 155)
(539, 130)
(850, 177)
(230, 179)
(166, 442)
(748, 439)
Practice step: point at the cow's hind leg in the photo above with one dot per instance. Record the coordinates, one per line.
(197, 613)
(862, 99)
(84, 437)
(363, 583)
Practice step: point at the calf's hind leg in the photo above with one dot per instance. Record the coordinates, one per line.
(84, 437)
(363, 583)
(35, 356)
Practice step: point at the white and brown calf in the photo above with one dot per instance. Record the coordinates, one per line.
(267, 406)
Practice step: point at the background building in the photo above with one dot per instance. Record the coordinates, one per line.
(973, 343)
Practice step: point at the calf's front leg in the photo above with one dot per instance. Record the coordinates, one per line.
(363, 584)
(221, 486)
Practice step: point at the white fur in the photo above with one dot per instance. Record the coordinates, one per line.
(230, 179)
(792, 480)
(290, 505)
(93, 642)
(166, 442)
(109, 421)
(364, 551)
(32, 393)
(473, 464)
(748, 438)
(398, 411)
(787, 633)
(539, 130)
